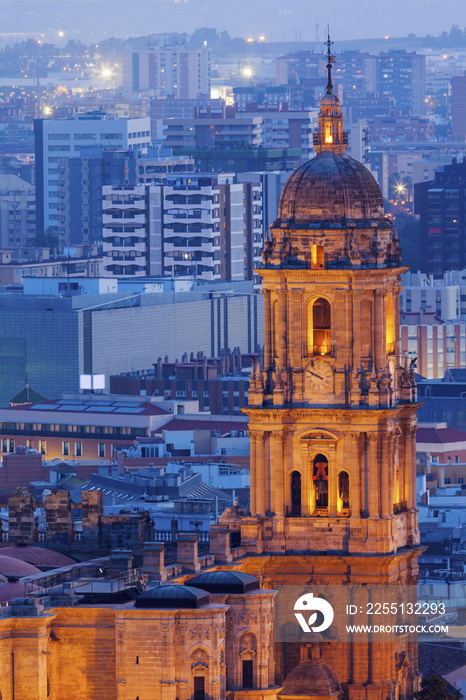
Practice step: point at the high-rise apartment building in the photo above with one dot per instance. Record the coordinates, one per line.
(56, 139)
(80, 185)
(171, 71)
(260, 126)
(132, 230)
(17, 212)
(441, 205)
(401, 75)
(212, 227)
(458, 106)
(207, 226)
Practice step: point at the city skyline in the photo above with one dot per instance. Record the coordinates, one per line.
(362, 19)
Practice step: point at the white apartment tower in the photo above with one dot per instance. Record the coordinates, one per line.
(172, 71)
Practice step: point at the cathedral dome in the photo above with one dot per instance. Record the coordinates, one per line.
(331, 188)
(309, 678)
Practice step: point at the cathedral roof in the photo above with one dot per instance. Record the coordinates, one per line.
(226, 582)
(309, 678)
(172, 596)
(331, 188)
(37, 556)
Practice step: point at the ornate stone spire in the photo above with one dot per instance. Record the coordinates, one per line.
(330, 61)
(330, 136)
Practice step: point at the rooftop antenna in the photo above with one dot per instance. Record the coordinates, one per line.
(330, 60)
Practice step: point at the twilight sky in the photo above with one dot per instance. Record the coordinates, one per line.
(276, 19)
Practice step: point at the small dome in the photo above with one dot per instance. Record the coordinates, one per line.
(309, 678)
(225, 582)
(16, 589)
(330, 100)
(38, 556)
(330, 188)
(172, 595)
(10, 566)
(235, 512)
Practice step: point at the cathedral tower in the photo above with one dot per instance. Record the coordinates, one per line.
(332, 414)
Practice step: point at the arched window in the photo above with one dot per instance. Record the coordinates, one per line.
(328, 133)
(390, 324)
(320, 480)
(343, 492)
(296, 494)
(319, 328)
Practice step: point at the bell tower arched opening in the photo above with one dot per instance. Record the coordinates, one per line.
(319, 327)
(320, 479)
(343, 504)
(296, 493)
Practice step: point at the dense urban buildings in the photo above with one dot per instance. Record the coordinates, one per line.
(440, 204)
(207, 452)
(172, 71)
(56, 139)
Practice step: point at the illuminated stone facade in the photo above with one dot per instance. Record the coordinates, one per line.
(332, 414)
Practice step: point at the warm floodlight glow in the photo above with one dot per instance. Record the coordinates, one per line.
(262, 37)
(106, 72)
(249, 39)
(247, 72)
(47, 110)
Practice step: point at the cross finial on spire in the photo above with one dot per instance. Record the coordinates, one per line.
(330, 60)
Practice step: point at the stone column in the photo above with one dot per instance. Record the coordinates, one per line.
(267, 330)
(154, 561)
(412, 502)
(408, 465)
(188, 551)
(373, 474)
(252, 471)
(386, 468)
(282, 328)
(92, 508)
(355, 475)
(58, 518)
(379, 330)
(21, 516)
(260, 474)
(296, 340)
(276, 472)
(355, 379)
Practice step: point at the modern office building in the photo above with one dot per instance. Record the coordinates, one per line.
(441, 206)
(49, 341)
(171, 71)
(56, 139)
(17, 212)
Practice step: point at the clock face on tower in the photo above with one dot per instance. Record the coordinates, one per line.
(319, 376)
